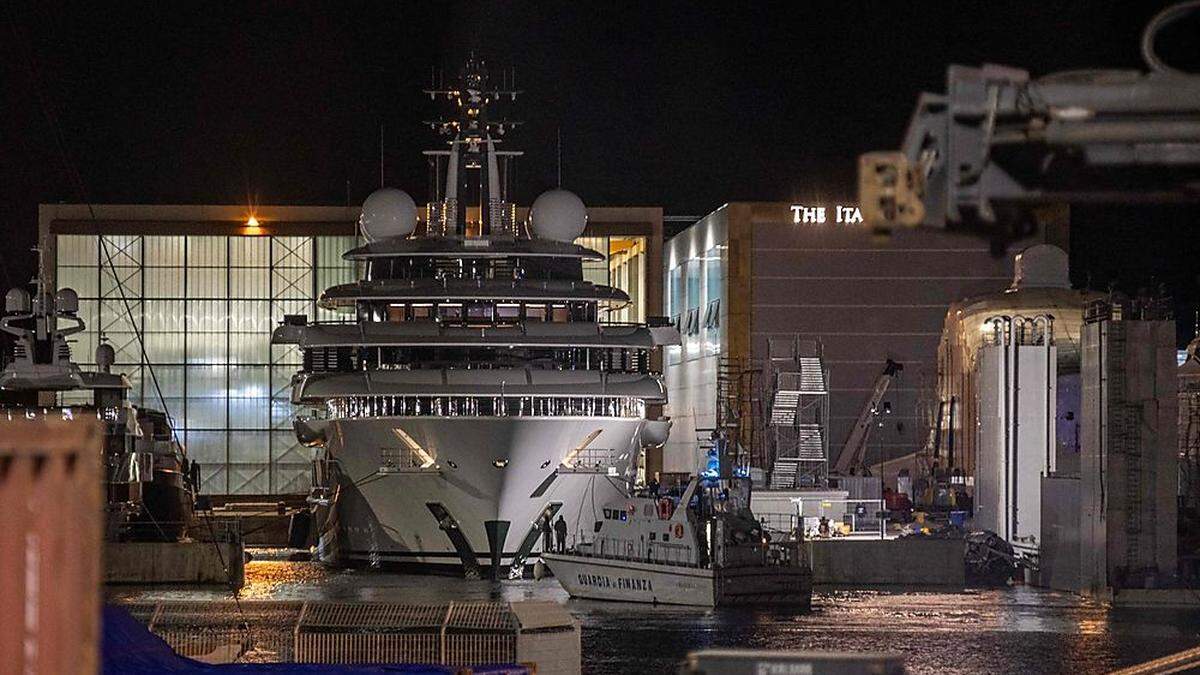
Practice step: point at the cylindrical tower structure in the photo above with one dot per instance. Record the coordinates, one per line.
(1041, 287)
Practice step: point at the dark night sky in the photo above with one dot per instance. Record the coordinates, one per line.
(658, 103)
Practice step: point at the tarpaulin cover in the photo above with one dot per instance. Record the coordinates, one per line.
(129, 647)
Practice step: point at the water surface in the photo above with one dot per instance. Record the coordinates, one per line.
(1016, 629)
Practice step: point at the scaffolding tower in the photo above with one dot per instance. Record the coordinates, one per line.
(799, 414)
(739, 411)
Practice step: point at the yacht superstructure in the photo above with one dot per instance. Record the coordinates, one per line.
(149, 482)
(476, 390)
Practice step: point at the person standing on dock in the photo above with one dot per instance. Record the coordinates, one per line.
(560, 532)
(547, 543)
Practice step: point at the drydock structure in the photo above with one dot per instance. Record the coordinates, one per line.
(476, 389)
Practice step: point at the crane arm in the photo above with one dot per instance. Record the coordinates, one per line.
(856, 443)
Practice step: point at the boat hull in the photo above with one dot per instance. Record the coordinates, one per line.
(632, 581)
(623, 580)
(477, 504)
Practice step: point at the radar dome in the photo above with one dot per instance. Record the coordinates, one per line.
(388, 212)
(558, 215)
(16, 301)
(66, 300)
(1041, 266)
(106, 356)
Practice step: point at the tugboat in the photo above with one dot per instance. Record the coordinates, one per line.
(703, 549)
(149, 483)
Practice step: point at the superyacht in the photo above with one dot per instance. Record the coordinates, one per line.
(149, 483)
(476, 389)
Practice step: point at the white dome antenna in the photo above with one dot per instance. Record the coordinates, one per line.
(106, 356)
(66, 301)
(17, 301)
(558, 214)
(388, 212)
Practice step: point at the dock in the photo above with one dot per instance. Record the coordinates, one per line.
(913, 561)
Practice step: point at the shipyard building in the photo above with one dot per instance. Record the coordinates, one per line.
(754, 282)
(204, 286)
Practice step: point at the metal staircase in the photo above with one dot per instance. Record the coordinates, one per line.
(799, 414)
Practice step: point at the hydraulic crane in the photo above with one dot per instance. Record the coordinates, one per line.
(855, 449)
(999, 146)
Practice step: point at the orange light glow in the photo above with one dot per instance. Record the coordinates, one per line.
(252, 222)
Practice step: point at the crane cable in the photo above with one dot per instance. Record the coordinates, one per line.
(1150, 34)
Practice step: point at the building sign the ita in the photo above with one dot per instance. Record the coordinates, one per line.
(846, 215)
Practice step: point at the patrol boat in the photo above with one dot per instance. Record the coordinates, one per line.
(475, 388)
(706, 550)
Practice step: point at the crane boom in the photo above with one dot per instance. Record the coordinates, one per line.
(856, 443)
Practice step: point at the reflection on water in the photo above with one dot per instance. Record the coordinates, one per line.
(1006, 630)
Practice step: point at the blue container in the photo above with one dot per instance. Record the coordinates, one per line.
(958, 518)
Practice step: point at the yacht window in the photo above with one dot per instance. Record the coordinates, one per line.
(535, 312)
(451, 311)
(480, 312)
(508, 311)
(397, 313)
(559, 313)
(422, 311)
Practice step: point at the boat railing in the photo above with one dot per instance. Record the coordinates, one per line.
(349, 321)
(590, 460)
(778, 523)
(615, 548)
(786, 553)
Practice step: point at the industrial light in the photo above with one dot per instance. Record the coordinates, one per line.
(252, 222)
(499, 463)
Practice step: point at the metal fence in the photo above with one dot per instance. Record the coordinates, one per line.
(455, 633)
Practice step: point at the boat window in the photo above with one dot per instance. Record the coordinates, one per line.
(624, 516)
(480, 312)
(471, 406)
(422, 311)
(450, 311)
(397, 313)
(535, 312)
(608, 514)
(508, 311)
(559, 313)
(653, 536)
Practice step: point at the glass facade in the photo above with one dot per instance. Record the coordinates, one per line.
(694, 291)
(623, 267)
(206, 306)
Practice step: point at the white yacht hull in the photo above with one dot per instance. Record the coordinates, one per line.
(497, 472)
